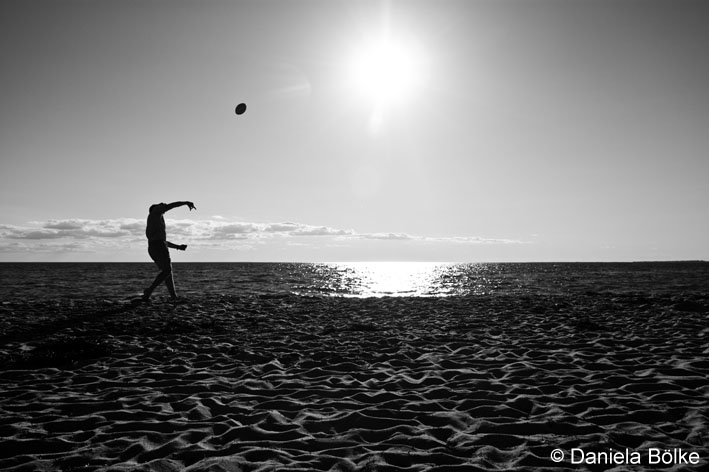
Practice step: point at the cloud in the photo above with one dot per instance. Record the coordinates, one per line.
(474, 240)
(266, 230)
(136, 226)
(429, 239)
(73, 229)
(41, 234)
(65, 224)
(388, 236)
(236, 228)
(216, 233)
(306, 230)
(281, 227)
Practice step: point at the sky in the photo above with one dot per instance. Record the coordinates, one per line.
(462, 131)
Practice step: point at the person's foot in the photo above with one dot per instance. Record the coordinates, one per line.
(146, 295)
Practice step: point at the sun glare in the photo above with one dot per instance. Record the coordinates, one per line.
(386, 72)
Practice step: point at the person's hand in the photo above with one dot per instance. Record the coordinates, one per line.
(182, 247)
(191, 206)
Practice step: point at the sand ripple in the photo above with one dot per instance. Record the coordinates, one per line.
(288, 383)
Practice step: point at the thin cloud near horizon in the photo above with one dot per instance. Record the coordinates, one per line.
(89, 236)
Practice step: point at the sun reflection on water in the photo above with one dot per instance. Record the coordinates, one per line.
(395, 279)
(400, 279)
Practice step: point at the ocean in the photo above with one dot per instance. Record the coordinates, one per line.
(30, 281)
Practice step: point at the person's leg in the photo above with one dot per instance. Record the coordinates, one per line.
(163, 276)
(160, 254)
(170, 282)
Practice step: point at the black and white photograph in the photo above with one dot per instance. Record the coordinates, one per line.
(354, 235)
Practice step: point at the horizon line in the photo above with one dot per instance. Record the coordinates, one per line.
(374, 262)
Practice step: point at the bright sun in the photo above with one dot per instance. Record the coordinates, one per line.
(386, 72)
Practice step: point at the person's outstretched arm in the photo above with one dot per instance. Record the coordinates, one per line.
(172, 205)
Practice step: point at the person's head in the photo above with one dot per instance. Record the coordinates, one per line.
(155, 207)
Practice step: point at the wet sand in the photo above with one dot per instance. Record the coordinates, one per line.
(291, 383)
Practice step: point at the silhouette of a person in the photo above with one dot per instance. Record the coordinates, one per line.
(158, 246)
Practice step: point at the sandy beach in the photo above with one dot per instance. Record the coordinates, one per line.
(250, 383)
